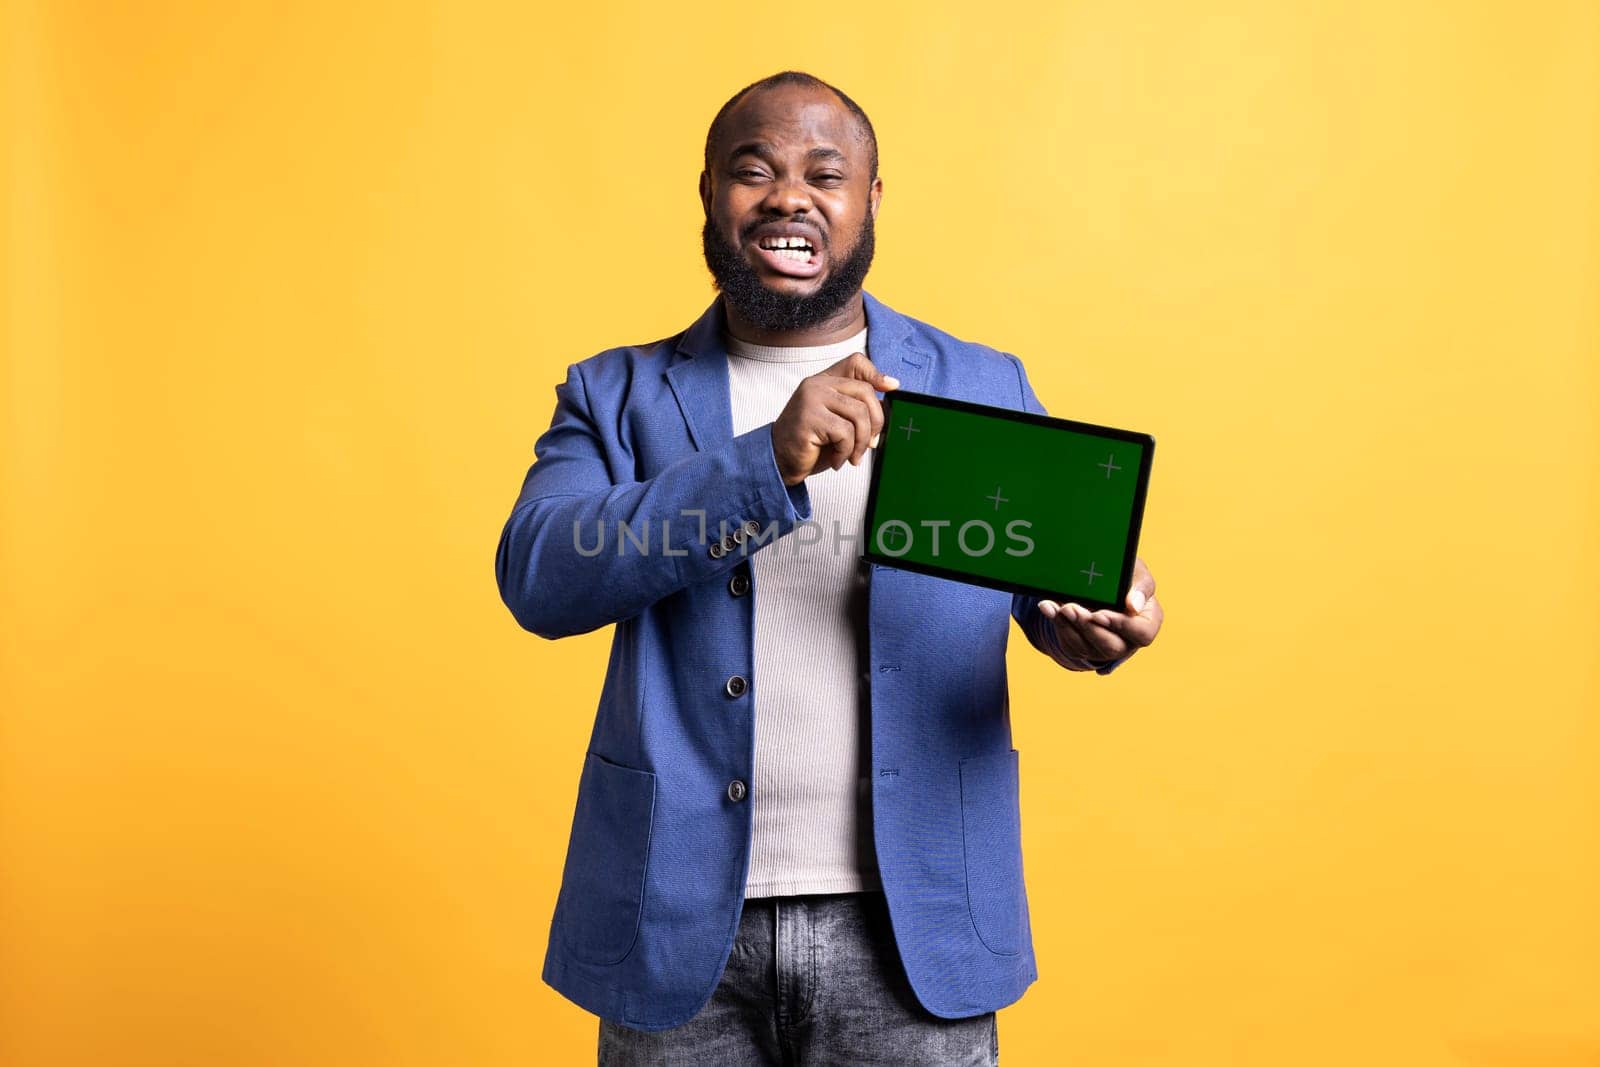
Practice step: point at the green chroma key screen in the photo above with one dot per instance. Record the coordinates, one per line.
(1007, 499)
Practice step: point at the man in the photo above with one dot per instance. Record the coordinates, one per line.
(797, 836)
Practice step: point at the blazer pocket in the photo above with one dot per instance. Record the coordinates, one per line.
(602, 884)
(991, 831)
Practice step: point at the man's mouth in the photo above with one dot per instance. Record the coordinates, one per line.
(796, 257)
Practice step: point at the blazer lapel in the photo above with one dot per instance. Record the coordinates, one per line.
(890, 344)
(699, 379)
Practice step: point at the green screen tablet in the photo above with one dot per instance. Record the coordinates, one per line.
(1007, 499)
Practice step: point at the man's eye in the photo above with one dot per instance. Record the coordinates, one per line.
(747, 173)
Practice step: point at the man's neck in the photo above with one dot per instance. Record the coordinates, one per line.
(840, 326)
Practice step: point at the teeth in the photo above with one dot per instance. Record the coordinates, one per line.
(784, 242)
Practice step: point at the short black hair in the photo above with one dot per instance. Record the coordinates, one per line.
(798, 77)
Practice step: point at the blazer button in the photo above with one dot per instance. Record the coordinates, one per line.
(739, 584)
(738, 535)
(751, 528)
(716, 550)
(729, 544)
(736, 790)
(736, 686)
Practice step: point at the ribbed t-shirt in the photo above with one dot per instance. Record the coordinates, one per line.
(810, 788)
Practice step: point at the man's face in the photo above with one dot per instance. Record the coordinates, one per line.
(790, 166)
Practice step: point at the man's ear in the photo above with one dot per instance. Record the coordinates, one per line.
(705, 192)
(875, 197)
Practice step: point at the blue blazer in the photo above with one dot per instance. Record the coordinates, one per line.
(655, 869)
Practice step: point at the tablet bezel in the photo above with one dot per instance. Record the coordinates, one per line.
(1136, 522)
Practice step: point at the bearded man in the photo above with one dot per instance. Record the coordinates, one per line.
(797, 836)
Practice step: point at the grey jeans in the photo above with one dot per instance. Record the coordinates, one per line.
(812, 980)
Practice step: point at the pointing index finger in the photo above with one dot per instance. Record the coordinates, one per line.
(858, 366)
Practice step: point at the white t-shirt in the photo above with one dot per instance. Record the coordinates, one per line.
(812, 796)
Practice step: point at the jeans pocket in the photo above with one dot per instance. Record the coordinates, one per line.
(991, 831)
(602, 884)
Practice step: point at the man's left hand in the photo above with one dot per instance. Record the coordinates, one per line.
(1098, 637)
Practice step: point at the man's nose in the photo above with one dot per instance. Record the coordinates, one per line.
(787, 196)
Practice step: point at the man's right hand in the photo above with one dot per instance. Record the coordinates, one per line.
(833, 417)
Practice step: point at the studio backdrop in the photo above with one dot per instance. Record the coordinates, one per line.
(288, 289)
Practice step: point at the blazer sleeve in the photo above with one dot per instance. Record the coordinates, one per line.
(581, 550)
(1040, 631)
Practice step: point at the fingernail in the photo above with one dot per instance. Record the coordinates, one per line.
(874, 442)
(1136, 598)
(891, 381)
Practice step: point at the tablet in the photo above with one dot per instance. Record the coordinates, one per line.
(1007, 499)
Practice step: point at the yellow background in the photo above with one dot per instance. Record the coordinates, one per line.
(289, 287)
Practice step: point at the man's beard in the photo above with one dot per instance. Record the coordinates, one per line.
(773, 311)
